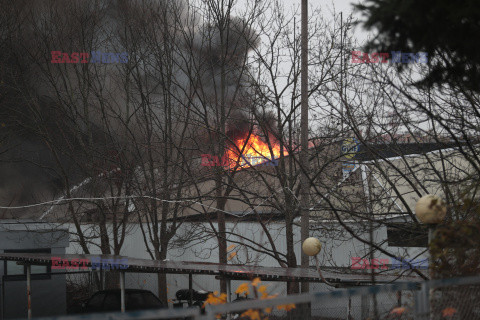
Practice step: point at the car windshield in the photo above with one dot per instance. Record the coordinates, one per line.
(142, 300)
(112, 302)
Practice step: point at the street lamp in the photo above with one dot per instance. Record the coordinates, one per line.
(311, 247)
(430, 210)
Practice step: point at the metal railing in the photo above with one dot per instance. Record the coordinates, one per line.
(457, 298)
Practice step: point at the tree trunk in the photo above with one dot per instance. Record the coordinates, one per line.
(162, 281)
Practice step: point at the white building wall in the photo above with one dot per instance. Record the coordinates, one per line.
(338, 248)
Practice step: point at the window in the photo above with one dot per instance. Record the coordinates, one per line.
(142, 300)
(16, 271)
(151, 301)
(406, 235)
(13, 269)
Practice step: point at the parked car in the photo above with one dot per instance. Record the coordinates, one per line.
(184, 294)
(109, 301)
(198, 298)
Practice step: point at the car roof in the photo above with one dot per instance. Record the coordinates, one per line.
(126, 290)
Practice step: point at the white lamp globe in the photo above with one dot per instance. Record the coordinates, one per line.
(311, 246)
(430, 209)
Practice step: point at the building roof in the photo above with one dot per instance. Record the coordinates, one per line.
(228, 271)
(389, 150)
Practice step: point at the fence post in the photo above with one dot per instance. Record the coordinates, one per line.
(365, 306)
(190, 289)
(29, 291)
(122, 291)
(422, 306)
(209, 315)
(229, 295)
(349, 308)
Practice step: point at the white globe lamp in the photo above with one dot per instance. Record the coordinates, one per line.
(311, 246)
(430, 209)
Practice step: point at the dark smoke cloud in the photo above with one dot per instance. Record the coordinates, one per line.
(45, 142)
(238, 125)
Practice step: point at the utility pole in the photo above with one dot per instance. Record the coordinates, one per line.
(341, 75)
(304, 161)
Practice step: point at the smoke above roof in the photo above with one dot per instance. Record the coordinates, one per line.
(60, 122)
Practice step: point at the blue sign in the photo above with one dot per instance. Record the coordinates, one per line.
(107, 264)
(399, 263)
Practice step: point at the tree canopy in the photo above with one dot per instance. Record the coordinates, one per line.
(447, 30)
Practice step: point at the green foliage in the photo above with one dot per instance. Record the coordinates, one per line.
(449, 31)
(455, 248)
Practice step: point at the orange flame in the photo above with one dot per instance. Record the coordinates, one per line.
(253, 150)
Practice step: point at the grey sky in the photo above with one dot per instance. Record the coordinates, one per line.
(327, 7)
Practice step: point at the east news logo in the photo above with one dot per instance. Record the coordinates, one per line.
(396, 57)
(83, 57)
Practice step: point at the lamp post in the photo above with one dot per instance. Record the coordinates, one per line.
(304, 162)
(311, 247)
(430, 210)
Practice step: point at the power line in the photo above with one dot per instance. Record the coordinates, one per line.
(59, 201)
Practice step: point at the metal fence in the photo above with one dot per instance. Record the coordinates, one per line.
(438, 299)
